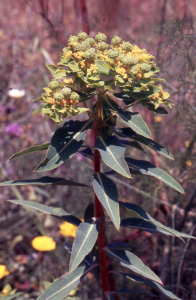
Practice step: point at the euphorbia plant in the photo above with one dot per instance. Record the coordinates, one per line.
(103, 81)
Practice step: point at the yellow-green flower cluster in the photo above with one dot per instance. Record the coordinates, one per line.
(85, 65)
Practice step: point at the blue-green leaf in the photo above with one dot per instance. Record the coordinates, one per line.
(132, 262)
(146, 217)
(150, 283)
(133, 120)
(129, 133)
(30, 150)
(147, 168)
(46, 180)
(65, 142)
(86, 236)
(112, 154)
(107, 193)
(54, 211)
(61, 287)
(108, 296)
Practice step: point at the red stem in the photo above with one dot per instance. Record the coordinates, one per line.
(98, 207)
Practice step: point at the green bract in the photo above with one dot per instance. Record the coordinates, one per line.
(100, 37)
(102, 46)
(87, 70)
(116, 40)
(82, 36)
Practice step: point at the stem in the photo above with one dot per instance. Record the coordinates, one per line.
(98, 206)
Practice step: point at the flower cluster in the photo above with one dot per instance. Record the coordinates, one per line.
(84, 65)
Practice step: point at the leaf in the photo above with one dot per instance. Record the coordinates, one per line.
(107, 193)
(89, 211)
(39, 108)
(65, 142)
(133, 120)
(30, 150)
(86, 260)
(104, 68)
(144, 225)
(86, 236)
(87, 152)
(11, 296)
(52, 68)
(141, 95)
(38, 99)
(54, 211)
(61, 287)
(130, 207)
(147, 168)
(129, 133)
(46, 180)
(108, 296)
(74, 66)
(122, 96)
(149, 282)
(112, 154)
(132, 262)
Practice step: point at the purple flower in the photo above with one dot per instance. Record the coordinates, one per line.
(14, 129)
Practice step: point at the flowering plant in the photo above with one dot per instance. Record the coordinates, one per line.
(108, 75)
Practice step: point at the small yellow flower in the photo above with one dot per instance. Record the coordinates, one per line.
(158, 119)
(189, 163)
(3, 271)
(67, 229)
(43, 243)
(187, 144)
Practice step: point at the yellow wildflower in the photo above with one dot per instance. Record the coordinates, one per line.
(187, 144)
(158, 119)
(82, 63)
(67, 229)
(68, 54)
(43, 243)
(3, 271)
(189, 163)
(69, 81)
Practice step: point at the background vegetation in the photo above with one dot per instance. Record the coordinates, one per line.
(33, 33)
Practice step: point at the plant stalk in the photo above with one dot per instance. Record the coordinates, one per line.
(98, 207)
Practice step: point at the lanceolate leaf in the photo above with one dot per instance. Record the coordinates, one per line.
(108, 296)
(87, 152)
(129, 133)
(46, 180)
(39, 108)
(107, 194)
(144, 225)
(65, 142)
(104, 68)
(30, 150)
(54, 211)
(86, 260)
(147, 168)
(61, 287)
(154, 285)
(133, 120)
(11, 296)
(132, 262)
(134, 292)
(112, 154)
(145, 216)
(86, 236)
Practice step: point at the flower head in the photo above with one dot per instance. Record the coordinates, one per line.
(43, 243)
(3, 271)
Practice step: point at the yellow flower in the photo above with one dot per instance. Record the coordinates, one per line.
(67, 229)
(3, 271)
(43, 243)
(187, 144)
(189, 163)
(158, 119)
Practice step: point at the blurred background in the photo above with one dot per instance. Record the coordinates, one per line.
(32, 34)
